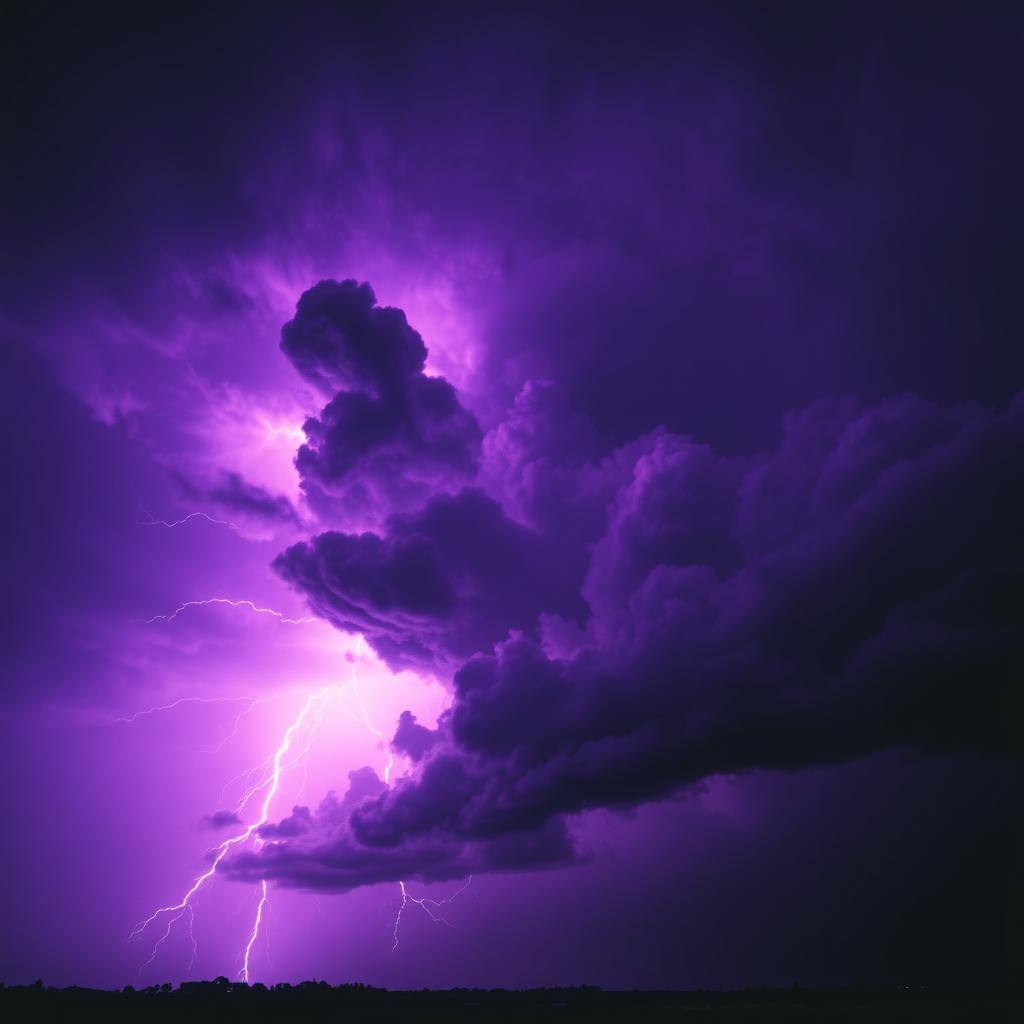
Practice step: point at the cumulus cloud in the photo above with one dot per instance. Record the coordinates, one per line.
(412, 739)
(341, 340)
(858, 588)
(437, 585)
(390, 436)
(543, 463)
(296, 824)
(327, 855)
(219, 820)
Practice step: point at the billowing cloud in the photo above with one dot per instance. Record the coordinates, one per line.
(341, 340)
(219, 820)
(682, 217)
(318, 850)
(437, 586)
(390, 436)
(412, 739)
(296, 824)
(231, 492)
(857, 589)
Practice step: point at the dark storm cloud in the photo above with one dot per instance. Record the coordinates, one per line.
(700, 216)
(219, 820)
(411, 738)
(437, 585)
(859, 588)
(232, 492)
(327, 856)
(774, 225)
(341, 340)
(296, 824)
(391, 435)
(542, 463)
(758, 184)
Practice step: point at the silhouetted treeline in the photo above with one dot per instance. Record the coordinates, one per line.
(226, 1001)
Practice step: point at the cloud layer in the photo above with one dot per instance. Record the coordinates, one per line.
(627, 625)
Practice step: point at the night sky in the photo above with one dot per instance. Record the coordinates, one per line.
(512, 494)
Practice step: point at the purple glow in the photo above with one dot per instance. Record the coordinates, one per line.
(271, 785)
(574, 453)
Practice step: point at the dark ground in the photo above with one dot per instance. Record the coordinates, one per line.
(226, 1002)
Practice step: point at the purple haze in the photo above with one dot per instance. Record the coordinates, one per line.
(615, 413)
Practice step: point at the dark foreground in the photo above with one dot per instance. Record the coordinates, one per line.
(225, 1002)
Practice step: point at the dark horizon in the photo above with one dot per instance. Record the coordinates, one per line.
(210, 1000)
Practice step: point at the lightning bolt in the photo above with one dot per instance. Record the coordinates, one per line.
(429, 906)
(244, 973)
(245, 603)
(245, 775)
(263, 901)
(294, 433)
(191, 700)
(254, 703)
(153, 521)
(398, 916)
(302, 755)
(163, 938)
(192, 939)
(384, 745)
(269, 774)
(272, 785)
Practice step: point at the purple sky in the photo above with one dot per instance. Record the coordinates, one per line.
(583, 440)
